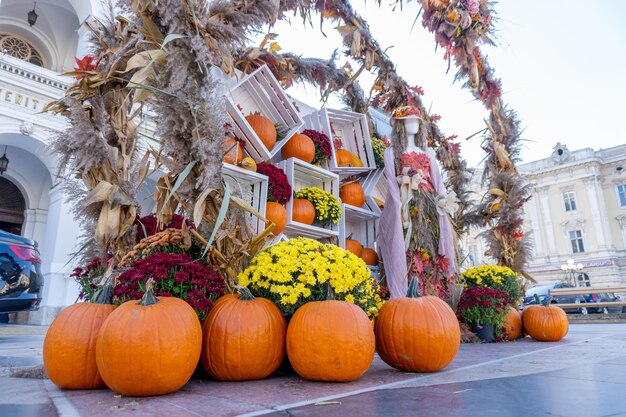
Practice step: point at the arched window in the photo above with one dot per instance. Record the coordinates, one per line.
(20, 48)
(12, 207)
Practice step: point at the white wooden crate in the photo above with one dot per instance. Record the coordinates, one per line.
(302, 175)
(349, 127)
(370, 184)
(238, 178)
(260, 92)
(361, 223)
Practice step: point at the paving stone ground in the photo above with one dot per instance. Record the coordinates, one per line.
(582, 375)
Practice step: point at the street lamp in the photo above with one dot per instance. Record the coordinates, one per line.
(4, 162)
(571, 270)
(32, 16)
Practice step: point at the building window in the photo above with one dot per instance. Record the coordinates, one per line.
(583, 280)
(576, 238)
(569, 198)
(20, 48)
(621, 195)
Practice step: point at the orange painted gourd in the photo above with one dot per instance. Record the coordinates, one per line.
(513, 324)
(233, 152)
(302, 211)
(69, 348)
(545, 322)
(346, 158)
(417, 334)
(150, 347)
(352, 194)
(330, 341)
(243, 338)
(248, 163)
(354, 246)
(299, 146)
(370, 256)
(277, 214)
(264, 129)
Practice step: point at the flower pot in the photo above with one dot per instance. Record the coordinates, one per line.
(486, 332)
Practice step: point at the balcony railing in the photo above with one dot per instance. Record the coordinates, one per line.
(24, 75)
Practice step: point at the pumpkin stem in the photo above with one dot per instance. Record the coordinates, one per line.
(330, 295)
(148, 297)
(103, 295)
(413, 290)
(537, 300)
(245, 293)
(547, 301)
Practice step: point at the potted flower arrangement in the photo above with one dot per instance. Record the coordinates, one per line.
(323, 149)
(379, 147)
(278, 194)
(299, 270)
(327, 209)
(484, 309)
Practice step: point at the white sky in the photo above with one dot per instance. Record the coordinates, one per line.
(561, 63)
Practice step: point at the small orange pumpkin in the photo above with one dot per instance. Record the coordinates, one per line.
(512, 324)
(136, 334)
(248, 163)
(302, 211)
(277, 214)
(264, 129)
(299, 146)
(346, 158)
(69, 349)
(244, 338)
(354, 246)
(545, 322)
(352, 194)
(330, 341)
(370, 256)
(233, 153)
(417, 334)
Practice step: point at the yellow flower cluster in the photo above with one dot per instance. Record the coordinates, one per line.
(493, 276)
(327, 207)
(299, 270)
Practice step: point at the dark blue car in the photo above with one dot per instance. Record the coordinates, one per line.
(20, 273)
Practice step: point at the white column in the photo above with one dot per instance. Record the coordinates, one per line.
(35, 224)
(621, 220)
(60, 241)
(538, 238)
(547, 219)
(591, 186)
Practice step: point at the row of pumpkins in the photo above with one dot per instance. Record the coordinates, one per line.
(152, 347)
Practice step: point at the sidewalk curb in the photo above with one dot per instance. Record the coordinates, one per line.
(63, 406)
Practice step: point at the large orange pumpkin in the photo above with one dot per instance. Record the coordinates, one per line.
(370, 256)
(330, 341)
(346, 158)
(264, 129)
(302, 211)
(545, 322)
(69, 349)
(299, 146)
(244, 338)
(354, 246)
(277, 214)
(233, 153)
(417, 334)
(150, 347)
(352, 194)
(512, 324)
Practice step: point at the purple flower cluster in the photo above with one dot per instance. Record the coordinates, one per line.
(279, 190)
(175, 275)
(149, 225)
(323, 150)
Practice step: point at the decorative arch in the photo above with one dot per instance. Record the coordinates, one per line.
(12, 206)
(45, 46)
(18, 47)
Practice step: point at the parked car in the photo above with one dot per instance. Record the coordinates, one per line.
(20, 273)
(604, 297)
(543, 291)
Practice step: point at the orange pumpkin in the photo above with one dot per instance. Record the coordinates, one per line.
(354, 246)
(150, 347)
(277, 214)
(243, 338)
(370, 256)
(352, 194)
(330, 341)
(346, 158)
(233, 153)
(299, 146)
(512, 324)
(69, 348)
(417, 334)
(545, 322)
(302, 211)
(264, 129)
